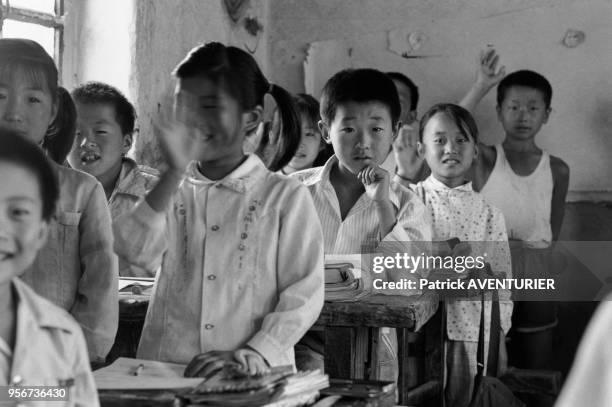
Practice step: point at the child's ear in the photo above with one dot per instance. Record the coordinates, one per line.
(252, 118)
(396, 130)
(43, 233)
(412, 116)
(127, 143)
(476, 151)
(499, 112)
(324, 131)
(547, 115)
(420, 149)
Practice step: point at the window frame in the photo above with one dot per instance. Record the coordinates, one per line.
(24, 15)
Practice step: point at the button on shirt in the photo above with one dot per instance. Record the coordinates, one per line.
(462, 213)
(49, 349)
(263, 264)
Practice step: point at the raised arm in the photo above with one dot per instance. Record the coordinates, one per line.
(487, 76)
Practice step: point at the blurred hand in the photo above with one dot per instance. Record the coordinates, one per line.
(405, 152)
(180, 143)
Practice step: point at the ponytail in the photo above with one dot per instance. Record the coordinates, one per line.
(60, 134)
(238, 72)
(288, 139)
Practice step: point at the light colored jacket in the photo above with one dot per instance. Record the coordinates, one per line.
(134, 182)
(242, 264)
(49, 351)
(77, 269)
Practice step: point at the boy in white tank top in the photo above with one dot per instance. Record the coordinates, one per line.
(529, 186)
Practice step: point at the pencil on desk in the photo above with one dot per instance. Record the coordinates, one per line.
(138, 369)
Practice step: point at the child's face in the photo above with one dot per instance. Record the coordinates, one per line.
(26, 107)
(408, 116)
(310, 145)
(447, 151)
(99, 143)
(522, 112)
(22, 229)
(204, 105)
(361, 134)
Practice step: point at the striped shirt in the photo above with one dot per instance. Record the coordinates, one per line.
(359, 231)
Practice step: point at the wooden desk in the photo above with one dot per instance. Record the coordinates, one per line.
(352, 331)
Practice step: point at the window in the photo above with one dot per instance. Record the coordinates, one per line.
(38, 20)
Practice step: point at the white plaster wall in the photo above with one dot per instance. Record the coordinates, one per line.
(166, 31)
(135, 44)
(527, 33)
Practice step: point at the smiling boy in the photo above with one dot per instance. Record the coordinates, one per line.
(40, 344)
(105, 125)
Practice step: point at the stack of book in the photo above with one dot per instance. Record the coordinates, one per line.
(344, 282)
(281, 387)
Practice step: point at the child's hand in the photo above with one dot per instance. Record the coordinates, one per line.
(488, 75)
(207, 364)
(180, 143)
(251, 361)
(405, 152)
(376, 182)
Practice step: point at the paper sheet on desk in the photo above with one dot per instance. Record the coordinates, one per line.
(155, 375)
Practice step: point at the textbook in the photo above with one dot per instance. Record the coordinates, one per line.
(344, 278)
(281, 387)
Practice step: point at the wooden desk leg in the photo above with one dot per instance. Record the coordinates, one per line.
(411, 361)
(339, 351)
(347, 352)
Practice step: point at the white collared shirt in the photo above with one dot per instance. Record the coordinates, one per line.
(242, 264)
(49, 350)
(360, 226)
(464, 214)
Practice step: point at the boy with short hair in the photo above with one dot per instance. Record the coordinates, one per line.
(40, 344)
(105, 125)
(357, 203)
(537, 184)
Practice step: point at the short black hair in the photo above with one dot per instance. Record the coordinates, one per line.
(528, 79)
(22, 152)
(462, 118)
(361, 86)
(98, 92)
(414, 90)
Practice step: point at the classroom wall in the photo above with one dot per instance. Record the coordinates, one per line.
(99, 38)
(135, 44)
(446, 38)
